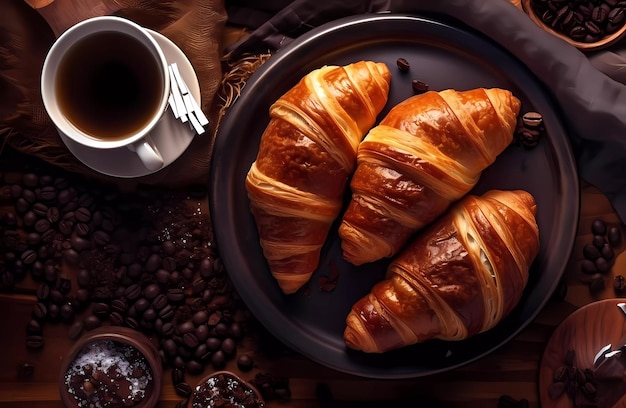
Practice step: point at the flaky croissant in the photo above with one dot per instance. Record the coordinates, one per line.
(428, 152)
(457, 278)
(307, 153)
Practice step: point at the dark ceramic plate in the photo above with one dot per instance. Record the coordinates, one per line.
(312, 321)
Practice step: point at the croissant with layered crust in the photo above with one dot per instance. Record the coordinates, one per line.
(428, 152)
(457, 278)
(307, 154)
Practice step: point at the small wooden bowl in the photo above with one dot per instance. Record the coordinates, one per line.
(224, 376)
(583, 46)
(123, 336)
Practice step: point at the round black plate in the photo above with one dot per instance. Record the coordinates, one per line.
(312, 321)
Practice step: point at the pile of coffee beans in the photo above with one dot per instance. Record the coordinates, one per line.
(145, 260)
(584, 21)
(599, 255)
(575, 382)
(109, 374)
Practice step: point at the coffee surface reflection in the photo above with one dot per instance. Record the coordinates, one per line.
(109, 85)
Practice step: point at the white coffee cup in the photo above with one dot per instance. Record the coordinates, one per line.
(115, 123)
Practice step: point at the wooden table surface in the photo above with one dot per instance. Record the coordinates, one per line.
(512, 370)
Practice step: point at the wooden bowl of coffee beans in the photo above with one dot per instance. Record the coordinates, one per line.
(114, 367)
(586, 24)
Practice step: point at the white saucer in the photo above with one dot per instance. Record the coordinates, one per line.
(171, 136)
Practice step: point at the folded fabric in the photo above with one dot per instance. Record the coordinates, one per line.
(593, 103)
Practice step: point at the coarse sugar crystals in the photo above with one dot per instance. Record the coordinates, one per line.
(108, 374)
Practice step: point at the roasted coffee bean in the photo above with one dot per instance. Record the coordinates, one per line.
(166, 313)
(48, 193)
(75, 330)
(607, 252)
(213, 343)
(419, 86)
(83, 278)
(218, 360)
(153, 263)
(228, 346)
(200, 317)
(28, 257)
(169, 347)
(71, 256)
(42, 225)
(29, 195)
(43, 292)
(151, 291)
(53, 311)
(202, 332)
(40, 209)
(222, 330)
(132, 323)
(53, 215)
(614, 236)
(591, 252)
(119, 305)
(616, 16)
(403, 65)
(116, 318)
(185, 327)
(81, 229)
(602, 265)
(33, 327)
(56, 297)
(40, 311)
(8, 280)
(82, 214)
(133, 291)
(245, 362)
(66, 312)
(33, 239)
(194, 367)
(159, 302)
(141, 305)
(599, 241)
(178, 376)
(167, 329)
(175, 295)
(168, 263)
(91, 322)
(190, 340)
(101, 238)
(183, 389)
(29, 219)
(34, 342)
(598, 227)
(100, 310)
(149, 315)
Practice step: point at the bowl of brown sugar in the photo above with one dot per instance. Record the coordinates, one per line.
(111, 367)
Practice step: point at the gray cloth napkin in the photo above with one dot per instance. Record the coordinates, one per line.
(593, 104)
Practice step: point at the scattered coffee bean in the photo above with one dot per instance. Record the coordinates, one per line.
(245, 362)
(403, 65)
(34, 342)
(183, 389)
(75, 331)
(178, 376)
(419, 86)
(614, 236)
(619, 284)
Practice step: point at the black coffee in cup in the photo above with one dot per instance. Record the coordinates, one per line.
(109, 85)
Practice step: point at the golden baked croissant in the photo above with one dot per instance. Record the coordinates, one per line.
(428, 152)
(306, 155)
(457, 278)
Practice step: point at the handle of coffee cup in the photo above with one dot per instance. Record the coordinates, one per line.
(148, 153)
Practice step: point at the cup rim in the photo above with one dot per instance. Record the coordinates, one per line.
(122, 335)
(55, 56)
